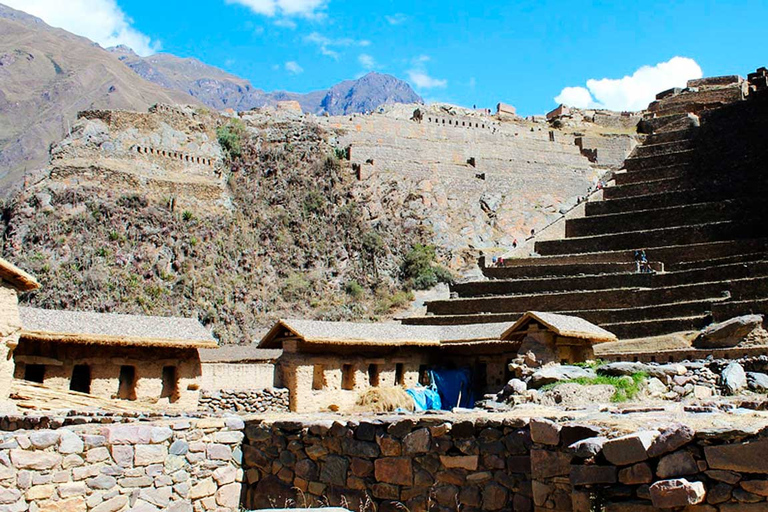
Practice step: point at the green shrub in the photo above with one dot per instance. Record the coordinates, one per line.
(314, 202)
(354, 289)
(420, 269)
(372, 243)
(187, 215)
(624, 389)
(296, 286)
(231, 137)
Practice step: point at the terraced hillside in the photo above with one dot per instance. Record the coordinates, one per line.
(692, 196)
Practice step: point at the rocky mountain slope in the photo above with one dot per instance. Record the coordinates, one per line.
(47, 75)
(296, 242)
(220, 90)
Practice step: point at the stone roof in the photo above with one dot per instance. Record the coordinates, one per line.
(19, 279)
(239, 354)
(113, 329)
(381, 334)
(562, 325)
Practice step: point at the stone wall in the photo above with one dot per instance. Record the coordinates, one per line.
(239, 376)
(10, 325)
(497, 463)
(245, 400)
(176, 465)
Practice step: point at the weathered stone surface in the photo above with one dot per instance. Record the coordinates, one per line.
(394, 470)
(150, 454)
(639, 473)
(719, 493)
(720, 475)
(228, 496)
(630, 448)
(123, 455)
(70, 442)
(103, 482)
(218, 452)
(42, 439)
(677, 493)
(551, 374)
(759, 487)
(494, 497)
(679, 463)
(40, 492)
(757, 382)
(746, 457)
(72, 489)
(588, 475)
(469, 462)
(729, 333)
(733, 378)
(334, 470)
(22, 459)
(670, 439)
(659, 371)
(179, 447)
(546, 464)
(111, 505)
(202, 489)
(418, 441)
(544, 431)
(589, 447)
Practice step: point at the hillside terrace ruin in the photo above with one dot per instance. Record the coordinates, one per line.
(689, 195)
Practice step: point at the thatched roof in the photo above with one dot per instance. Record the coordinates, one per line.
(239, 354)
(16, 277)
(379, 334)
(562, 325)
(113, 329)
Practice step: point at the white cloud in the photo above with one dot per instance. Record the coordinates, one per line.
(285, 23)
(101, 21)
(396, 19)
(326, 44)
(420, 78)
(366, 61)
(302, 8)
(423, 81)
(293, 67)
(632, 92)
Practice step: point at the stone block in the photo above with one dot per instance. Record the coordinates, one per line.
(394, 470)
(111, 505)
(759, 487)
(546, 464)
(203, 488)
(720, 475)
(122, 455)
(40, 492)
(146, 454)
(42, 439)
(639, 473)
(670, 439)
(468, 462)
(102, 482)
(748, 457)
(494, 497)
(99, 454)
(680, 463)
(72, 489)
(544, 431)
(225, 475)
(677, 493)
(733, 378)
(22, 459)
(629, 449)
(590, 475)
(418, 441)
(70, 442)
(334, 470)
(588, 447)
(719, 493)
(127, 434)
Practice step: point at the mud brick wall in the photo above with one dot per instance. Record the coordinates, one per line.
(248, 400)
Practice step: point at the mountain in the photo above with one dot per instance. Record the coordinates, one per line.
(47, 75)
(219, 89)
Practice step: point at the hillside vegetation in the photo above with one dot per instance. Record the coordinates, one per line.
(296, 244)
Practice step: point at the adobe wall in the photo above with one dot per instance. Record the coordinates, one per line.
(238, 376)
(505, 463)
(60, 359)
(10, 325)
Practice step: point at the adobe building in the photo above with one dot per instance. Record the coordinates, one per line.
(13, 281)
(148, 359)
(327, 365)
(556, 338)
(239, 368)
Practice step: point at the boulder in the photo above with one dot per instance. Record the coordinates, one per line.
(558, 373)
(677, 493)
(659, 371)
(729, 333)
(630, 448)
(757, 382)
(733, 378)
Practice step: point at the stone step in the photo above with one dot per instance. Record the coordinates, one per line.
(657, 327)
(506, 287)
(667, 123)
(729, 309)
(679, 157)
(573, 269)
(662, 148)
(660, 200)
(678, 235)
(644, 188)
(653, 174)
(614, 298)
(596, 316)
(737, 258)
(671, 136)
(683, 215)
(670, 254)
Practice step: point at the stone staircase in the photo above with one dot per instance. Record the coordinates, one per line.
(692, 196)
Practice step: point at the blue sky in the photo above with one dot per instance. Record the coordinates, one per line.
(463, 52)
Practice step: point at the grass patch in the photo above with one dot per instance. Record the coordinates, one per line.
(625, 388)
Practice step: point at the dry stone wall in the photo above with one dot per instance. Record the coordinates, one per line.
(245, 400)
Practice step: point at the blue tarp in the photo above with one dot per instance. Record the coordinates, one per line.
(455, 387)
(425, 399)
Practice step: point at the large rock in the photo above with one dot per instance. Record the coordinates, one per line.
(757, 382)
(659, 371)
(729, 333)
(680, 463)
(743, 457)
(394, 470)
(670, 439)
(677, 493)
(630, 448)
(733, 378)
(558, 373)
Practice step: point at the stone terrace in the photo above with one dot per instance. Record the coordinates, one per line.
(690, 195)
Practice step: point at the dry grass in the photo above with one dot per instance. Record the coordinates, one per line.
(385, 400)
